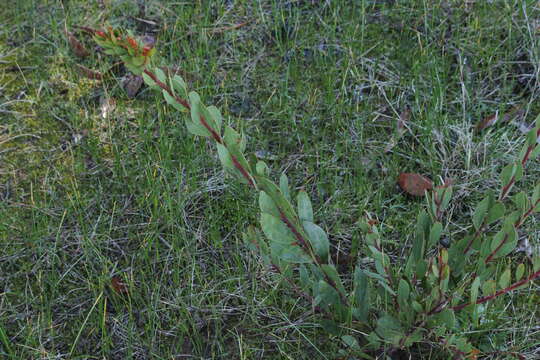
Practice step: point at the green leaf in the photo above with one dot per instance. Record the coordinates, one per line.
(172, 101)
(508, 235)
(474, 290)
(196, 113)
(262, 169)
(225, 157)
(160, 75)
(267, 205)
(496, 212)
(536, 263)
(379, 256)
(447, 196)
(417, 306)
(305, 279)
(283, 245)
(350, 342)
(305, 210)
(325, 295)
(423, 226)
(214, 114)
(481, 211)
(279, 199)
(520, 271)
(536, 193)
(435, 234)
(233, 139)
(389, 330)
(275, 230)
(332, 273)
(330, 327)
(194, 125)
(150, 82)
(138, 60)
(381, 280)
(403, 293)
(318, 239)
(521, 201)
(505, 278)
(179, 86)
(489, 287)
(447, 317)
(284, 186)
(507, 173)
(361, 295)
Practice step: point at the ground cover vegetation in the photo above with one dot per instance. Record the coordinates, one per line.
(124, 238)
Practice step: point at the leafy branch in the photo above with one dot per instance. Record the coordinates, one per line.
(422, 294)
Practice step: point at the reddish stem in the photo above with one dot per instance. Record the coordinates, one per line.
(500, 292)
(309, 250)
(178, 99)
(520, 221)
(494, 252)
(214, 134)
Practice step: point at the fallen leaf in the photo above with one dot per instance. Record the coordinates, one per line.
(414, 184)
(89, 73)
(118, 285)
(132, 84)
(513, 115)
(77, 47)
(487, 122)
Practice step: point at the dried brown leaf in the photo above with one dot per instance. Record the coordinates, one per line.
(414, 184)
(77, 47)
(487, 122)
(89, 73)
(513, 115)
(118, 285)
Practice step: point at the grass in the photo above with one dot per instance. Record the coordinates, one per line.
(88, 195)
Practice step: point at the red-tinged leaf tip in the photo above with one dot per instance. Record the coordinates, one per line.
(146, 50)
(133, 43)
(414, 184)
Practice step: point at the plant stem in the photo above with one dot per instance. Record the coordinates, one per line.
(500, 292)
